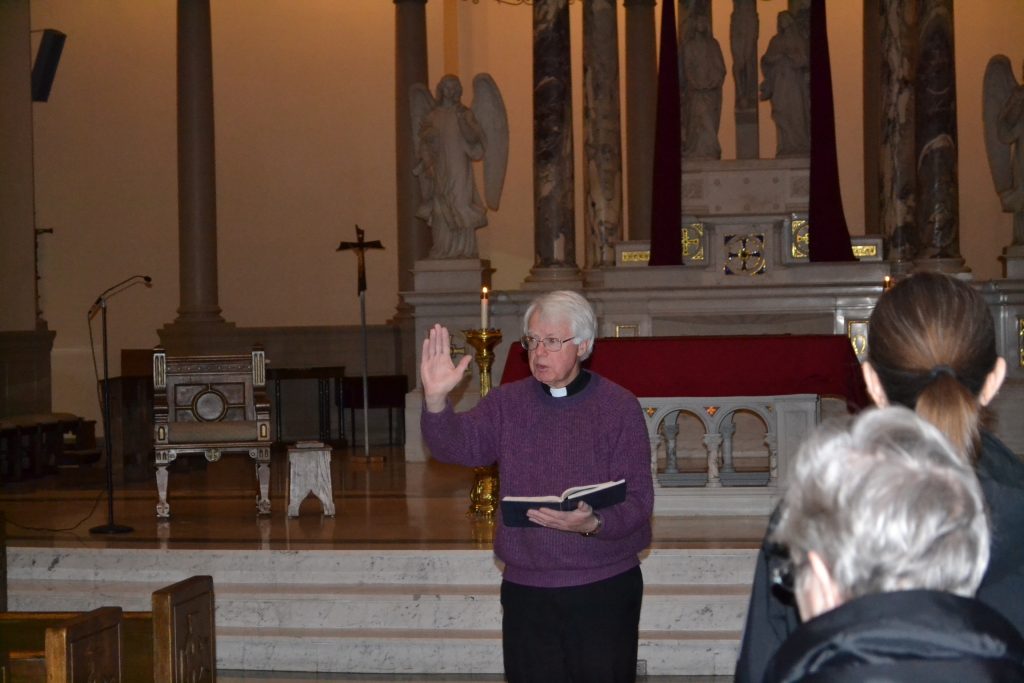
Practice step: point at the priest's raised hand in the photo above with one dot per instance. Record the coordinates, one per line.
(438, 374)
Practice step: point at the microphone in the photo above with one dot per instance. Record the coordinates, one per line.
(116, 289)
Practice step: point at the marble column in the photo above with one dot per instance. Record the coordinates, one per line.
(25, 342)
(410, 68)
(896, 161)
(602, 151)
(554, 230)
(743, 30)
(937, 243)
(197, 186)
(641, 98)
(17, 176)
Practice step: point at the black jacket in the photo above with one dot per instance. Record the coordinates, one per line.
(772, 614)
(914, 636)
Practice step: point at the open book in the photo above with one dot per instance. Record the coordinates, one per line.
(597, 496)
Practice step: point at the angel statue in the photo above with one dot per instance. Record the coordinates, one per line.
(449, 138)
(1003, 113)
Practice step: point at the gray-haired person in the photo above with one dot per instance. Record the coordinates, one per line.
(572, 587)
(931, 348)
(888, 540)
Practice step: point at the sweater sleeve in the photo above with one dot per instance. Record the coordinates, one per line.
(468, 438)
(632, 462)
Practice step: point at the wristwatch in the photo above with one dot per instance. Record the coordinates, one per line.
(596, 529)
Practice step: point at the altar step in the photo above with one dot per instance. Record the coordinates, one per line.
(372, 611)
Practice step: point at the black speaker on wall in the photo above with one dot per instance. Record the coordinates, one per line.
(45, 67)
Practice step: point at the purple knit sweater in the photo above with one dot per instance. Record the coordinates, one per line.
(544, 445)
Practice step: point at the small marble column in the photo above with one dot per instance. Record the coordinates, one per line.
(410, 67)
(602, 152)
(938, 240)
(743, 29)
(554, 230)
(197, 186)
(641, 91)
(896, 160)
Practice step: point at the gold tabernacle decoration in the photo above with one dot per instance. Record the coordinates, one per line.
(1020, 340)
(484, 495)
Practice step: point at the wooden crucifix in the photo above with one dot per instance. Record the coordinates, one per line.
(360, 246)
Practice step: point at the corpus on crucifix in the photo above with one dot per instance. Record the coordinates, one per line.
(359, 247)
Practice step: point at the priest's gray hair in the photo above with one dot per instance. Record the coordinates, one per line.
(889, 505)
(570, 306)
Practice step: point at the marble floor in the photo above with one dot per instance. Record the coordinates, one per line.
(383, 502)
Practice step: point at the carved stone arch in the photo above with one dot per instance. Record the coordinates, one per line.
(668, 428)
(725, 427)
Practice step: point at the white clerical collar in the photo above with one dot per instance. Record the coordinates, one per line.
(574, 387)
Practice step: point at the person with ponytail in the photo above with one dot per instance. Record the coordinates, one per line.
(931, 348)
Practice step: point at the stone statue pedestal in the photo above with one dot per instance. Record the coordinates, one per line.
(746, 187)
(447, 291)
(553, 277)
(1013, 262)
(451, 275)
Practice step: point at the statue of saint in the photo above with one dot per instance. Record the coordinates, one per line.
(450, 137)
(787, 83)
(743, 28)
(1003, 114)
(702, 75)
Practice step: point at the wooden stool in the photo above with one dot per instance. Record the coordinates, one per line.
(309, 468)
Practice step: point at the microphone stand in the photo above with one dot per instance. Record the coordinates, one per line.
(110, 527)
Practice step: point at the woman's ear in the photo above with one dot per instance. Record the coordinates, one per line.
(993, 381)
(817, 591)
(874, 385)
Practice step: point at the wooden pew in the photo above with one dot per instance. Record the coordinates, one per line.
(173, 642)
(83, 647)
(184, 637)
(3, 562)
(88, 647)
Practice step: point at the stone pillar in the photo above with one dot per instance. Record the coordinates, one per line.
(937, 240)
(602, 152)
(25, 341)
(410, 68)
(641, 98)
(554, 230)
(17, 181)
(743, 29)
(896, 24)
(197, 184)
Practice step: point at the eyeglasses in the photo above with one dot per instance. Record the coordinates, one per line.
(551, 344)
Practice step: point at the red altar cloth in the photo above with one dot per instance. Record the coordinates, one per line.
(722, 366)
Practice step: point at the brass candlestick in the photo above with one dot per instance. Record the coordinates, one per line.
(484, 495)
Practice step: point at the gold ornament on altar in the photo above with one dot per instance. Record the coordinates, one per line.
(484, 495)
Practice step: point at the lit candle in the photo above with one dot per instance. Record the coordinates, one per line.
(886, 283)
(484, 309)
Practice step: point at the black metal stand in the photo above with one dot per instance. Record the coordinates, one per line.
(109, 527)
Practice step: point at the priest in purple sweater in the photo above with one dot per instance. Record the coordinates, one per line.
(572, 588)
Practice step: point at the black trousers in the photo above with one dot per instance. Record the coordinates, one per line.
(579, 634)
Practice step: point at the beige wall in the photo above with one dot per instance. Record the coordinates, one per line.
(305, 150)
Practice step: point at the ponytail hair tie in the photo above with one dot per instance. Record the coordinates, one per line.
(940, 370)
